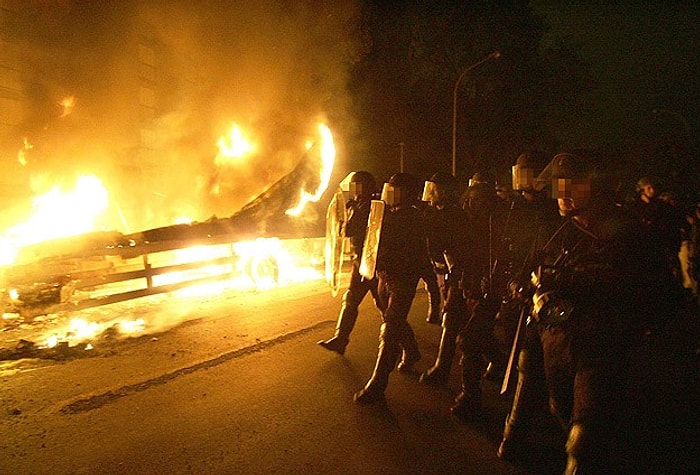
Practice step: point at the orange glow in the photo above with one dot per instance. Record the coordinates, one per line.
(57, 214)
(22, 154)
(234, 147)
(67, 104)
(327, 161)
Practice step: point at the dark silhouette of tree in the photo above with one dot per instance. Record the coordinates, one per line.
(403, 85)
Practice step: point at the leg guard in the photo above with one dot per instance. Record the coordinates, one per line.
(389, 351)
(346, 320)
(434, 299)
(411, 354)
(439, 373)
(529, 390)
(468, 402)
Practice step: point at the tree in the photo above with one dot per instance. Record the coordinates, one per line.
(403, 85)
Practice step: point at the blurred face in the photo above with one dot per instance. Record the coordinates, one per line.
(523, 178)
(571, 194)
(357, 189)
(391, 195)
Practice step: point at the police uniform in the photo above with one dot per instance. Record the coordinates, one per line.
(591, 284)
(401, 256)
(446, 226)
(355, 230)
(483, 290)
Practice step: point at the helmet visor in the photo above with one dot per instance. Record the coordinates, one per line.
(345, 182)
(391, 195)
(431, 192)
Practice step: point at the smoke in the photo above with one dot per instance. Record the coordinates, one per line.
(156, 84)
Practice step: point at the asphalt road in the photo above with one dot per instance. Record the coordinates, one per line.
(240, 386)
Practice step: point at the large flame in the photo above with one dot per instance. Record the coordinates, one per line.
(57, 213)
(327, 162)
(234, 147)
(256, 264)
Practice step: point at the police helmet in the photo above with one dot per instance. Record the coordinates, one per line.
(402, 189)
(572, 175)
(440, 188)
(526, 170)
(480, 178)
(480, 195)
(570, 166)
(359, 183)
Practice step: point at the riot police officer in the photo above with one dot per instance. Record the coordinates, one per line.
(362, 187)
(592, 280)
(446, 224)
(483, 290)
(400, 256)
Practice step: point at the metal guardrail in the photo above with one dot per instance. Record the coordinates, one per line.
(68, 283)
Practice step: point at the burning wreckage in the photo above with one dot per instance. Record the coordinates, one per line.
(272, 235)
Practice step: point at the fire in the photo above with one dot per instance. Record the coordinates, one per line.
(257, 264)
(327, 162)
(57, 214)
(79, 331)
(233, 147)
(67, 104)
(22, 154)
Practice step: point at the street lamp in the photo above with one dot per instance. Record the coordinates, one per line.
(494, 55)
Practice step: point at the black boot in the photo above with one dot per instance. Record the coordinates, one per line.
(587, 451)
(389, 350)
(468, 403)
(346, 322)
(410, 355)
(439, 373)
(514, 447)
(336, 344)
(467, 407)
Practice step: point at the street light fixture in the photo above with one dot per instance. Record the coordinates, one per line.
(494, 55)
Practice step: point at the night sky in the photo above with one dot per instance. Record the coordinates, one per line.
(645, 56)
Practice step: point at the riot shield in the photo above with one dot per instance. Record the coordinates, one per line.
(336, 217)
(368, 263)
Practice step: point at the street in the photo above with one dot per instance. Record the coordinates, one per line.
(240, 386)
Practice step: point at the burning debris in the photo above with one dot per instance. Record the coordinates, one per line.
(268, 242)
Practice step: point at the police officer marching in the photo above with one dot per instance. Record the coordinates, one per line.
(448, 247)
(591, 283)
(400, 255)
(361, 187)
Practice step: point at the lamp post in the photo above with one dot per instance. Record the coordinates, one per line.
(494, 55)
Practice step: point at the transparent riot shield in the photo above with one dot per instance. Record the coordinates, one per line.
(336, 217)
(368, 263)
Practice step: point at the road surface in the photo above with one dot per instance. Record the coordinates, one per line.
(239, 385)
